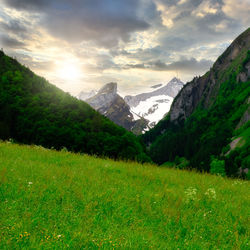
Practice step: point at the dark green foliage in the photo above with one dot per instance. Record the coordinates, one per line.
(217, 166)
(34, 111)
(238, 160)
(181, 162)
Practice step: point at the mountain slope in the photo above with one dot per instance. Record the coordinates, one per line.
(35, 111)
(110, 104)
(154, 105)
(206, 113)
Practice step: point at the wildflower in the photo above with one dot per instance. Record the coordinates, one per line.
(211, 193)
(59, 236)
(237, 183)
(191, 194)
(30, 183)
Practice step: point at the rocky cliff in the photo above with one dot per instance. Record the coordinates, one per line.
(203, 90)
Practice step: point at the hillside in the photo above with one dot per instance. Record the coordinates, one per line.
(55, 200)
(33, 111)
(208, 114)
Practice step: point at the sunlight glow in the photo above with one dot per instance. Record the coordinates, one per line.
(68, 71)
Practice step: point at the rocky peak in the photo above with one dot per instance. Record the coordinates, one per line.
(175, 81)
(109, 88)
(104, 96)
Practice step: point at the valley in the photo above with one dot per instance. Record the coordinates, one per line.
(125, 124)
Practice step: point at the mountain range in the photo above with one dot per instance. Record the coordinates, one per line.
(109, 103)
(135, 113)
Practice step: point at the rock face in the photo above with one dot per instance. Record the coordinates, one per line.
(203, 90)
(110, 104)
(154, 105)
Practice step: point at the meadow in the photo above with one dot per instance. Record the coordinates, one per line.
(56, 199)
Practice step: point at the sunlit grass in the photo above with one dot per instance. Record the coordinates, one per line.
(53, 199)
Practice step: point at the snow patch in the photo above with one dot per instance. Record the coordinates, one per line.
(153, 108)
(135, 116)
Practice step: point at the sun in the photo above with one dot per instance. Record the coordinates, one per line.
(68, 71)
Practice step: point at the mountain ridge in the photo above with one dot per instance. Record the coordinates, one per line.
(208, 113)
(168, 89)
(154, 105)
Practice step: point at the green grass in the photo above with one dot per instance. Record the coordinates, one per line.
(52, 200)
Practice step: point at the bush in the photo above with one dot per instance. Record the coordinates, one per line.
(181, 162)
(217, 167)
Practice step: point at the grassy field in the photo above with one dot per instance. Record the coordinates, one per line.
(52, 199)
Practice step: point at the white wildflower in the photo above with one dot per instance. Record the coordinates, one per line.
(211, 193)
(191, 193)
(237, 183)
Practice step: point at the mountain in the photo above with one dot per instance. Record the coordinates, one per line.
(112, 105)
(33, 111)
(154, 105)
(208, 122)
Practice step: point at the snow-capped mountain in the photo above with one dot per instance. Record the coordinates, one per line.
(135, 113)
(153, 106)
(109, 103)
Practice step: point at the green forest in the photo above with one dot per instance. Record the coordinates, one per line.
(33, 111)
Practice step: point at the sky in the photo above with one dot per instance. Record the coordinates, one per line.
(80, 45)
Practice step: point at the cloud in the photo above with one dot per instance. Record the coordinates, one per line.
(106, 38)
(104, 22)
(10, 42)
(185, 65)
(28, 4)
(13, 26)
(206, 8)
(238, 10)
(143, 54)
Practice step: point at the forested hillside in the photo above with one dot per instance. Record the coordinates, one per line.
(208, 123)
(33, 111)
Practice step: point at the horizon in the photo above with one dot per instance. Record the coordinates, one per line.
(135, 43)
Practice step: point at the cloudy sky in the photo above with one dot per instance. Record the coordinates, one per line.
(83, 44)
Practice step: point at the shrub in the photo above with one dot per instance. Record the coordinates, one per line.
(217, 166)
